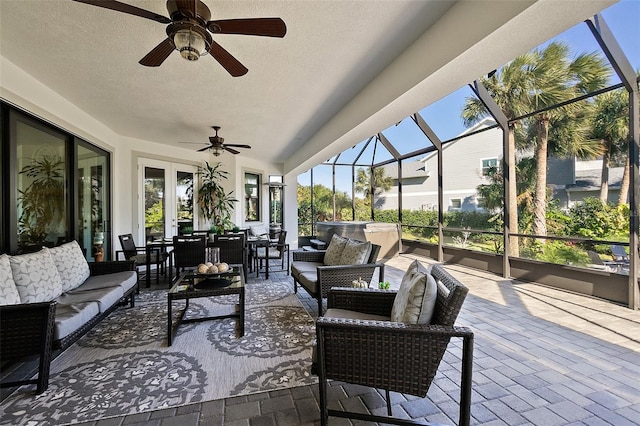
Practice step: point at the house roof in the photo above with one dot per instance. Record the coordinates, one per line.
(590, 180)
(344, 71)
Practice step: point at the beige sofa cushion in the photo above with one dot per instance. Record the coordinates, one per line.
(415, 301)
(333, 255)
(355, 252)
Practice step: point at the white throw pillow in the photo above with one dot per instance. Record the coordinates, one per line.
(71, 264)
(36, 276)
(8, 291)
(410, 300)
(259, 230)
(355, 252)
(428, 300)
(333, 254)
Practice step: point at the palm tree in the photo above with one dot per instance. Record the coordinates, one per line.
(505, 88)
(611, 126)
(533, 82)
(381, 182)
(555, 79)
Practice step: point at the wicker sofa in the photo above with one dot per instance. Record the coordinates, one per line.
(318, 271)
(50, 298)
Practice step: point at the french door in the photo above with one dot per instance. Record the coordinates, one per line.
(167, 199)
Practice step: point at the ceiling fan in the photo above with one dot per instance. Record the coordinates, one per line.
(217, 145)
(189, 31)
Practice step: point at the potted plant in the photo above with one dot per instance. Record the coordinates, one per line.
(215, 203)
(42, 201)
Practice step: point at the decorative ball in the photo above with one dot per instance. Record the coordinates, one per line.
(202, 268)
(209, 264)
(223, 267)
(213, 269)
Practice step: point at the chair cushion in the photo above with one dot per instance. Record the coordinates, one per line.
(125, 280)
(417, 293)
(310, 281)
(71, 264)
(355, 252)
(69, 318)
(8, 291)
(347, 314)
(36, 276)
(258, 230)
(333, 255)
(105, 297)
(299, 267)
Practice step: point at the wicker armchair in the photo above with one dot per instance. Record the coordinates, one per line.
(309, 271)
(233, 249)
(188, 252)
(27, 330)
(389, 355)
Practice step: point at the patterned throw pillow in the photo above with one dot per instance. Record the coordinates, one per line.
(71, 264)
(334, 252)
(259, 230)
(36, 276)
(417, 293)
(8, 290)
(355, 252)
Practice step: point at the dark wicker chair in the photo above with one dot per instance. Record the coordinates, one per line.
(132, 252)
(388, 355)
(188, 252)
(233, 249)
(278, 250)
(308, 263)
(27, 330)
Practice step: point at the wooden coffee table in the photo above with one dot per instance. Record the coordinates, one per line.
(191, 285)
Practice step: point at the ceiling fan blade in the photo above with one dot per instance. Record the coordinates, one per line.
(231, 150)
(194, 143)
(228, 62)
(238, 146)
(268, 27)
(156, 57)
(127, 8)
(204, 149)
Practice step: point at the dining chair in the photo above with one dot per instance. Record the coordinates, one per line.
(233, 249)
(278, 250)
(188, 252)
(132, 252)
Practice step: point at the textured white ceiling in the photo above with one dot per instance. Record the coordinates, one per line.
(341, 63)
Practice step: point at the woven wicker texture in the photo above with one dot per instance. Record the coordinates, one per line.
(390, 355)
(26, 330)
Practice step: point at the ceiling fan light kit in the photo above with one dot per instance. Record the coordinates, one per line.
(190, 44)
(189, 31)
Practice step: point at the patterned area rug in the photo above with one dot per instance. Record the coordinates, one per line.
(124, 366)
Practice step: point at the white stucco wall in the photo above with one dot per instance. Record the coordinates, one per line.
(25, 92)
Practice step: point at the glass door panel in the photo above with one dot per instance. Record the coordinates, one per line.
(42, 194)
(154, 203)
(93, 206)
(184, 202)
(168, 199)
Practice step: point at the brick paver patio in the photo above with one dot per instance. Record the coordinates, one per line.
(542, 357)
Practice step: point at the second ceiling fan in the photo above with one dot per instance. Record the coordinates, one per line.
(189, 31)
(217, 145)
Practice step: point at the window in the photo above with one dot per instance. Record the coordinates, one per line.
(252, 197)
(455, 203)
(488, 165)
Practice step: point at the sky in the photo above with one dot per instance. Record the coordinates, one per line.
(443, 116)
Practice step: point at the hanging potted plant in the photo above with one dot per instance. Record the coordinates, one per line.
(215, 204)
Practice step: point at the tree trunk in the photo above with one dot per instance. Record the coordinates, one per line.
(514, 248)
(540, 196)
(623, 197)
(604, 182)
